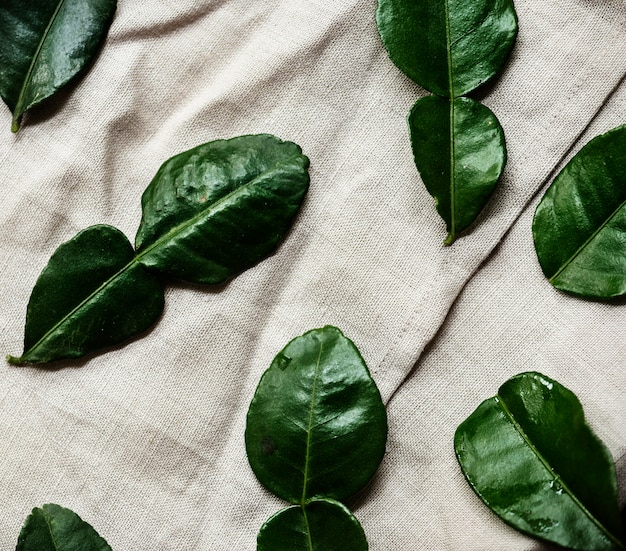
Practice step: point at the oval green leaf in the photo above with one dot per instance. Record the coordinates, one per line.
(91, 294)
(460, 153)
(46, 43)
(579, 226)
(216, 210)
(530, 456)
(316, 427)
(55, 528)
(449, 47)
(321, 525)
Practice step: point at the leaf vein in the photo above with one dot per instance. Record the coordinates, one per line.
(556, 477)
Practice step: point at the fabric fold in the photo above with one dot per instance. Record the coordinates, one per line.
(161, 419)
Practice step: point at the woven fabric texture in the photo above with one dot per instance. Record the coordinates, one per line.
(145, 441)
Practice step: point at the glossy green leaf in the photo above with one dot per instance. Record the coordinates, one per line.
(449, 47)
(531, 457)
(216, 210)
(209, 214)
(460, 153)
(91, 294)
(46, 43)
(317, 426)
(55, 528)
(321, 525)
(580, 224)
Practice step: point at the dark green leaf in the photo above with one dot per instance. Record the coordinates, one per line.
(54, 528)
(448, 47)
(531, 457)
(44, 44)
(216, 210)
(317, 426)
(91, 294)
(321, 525)
(460, 153)
(580, 224)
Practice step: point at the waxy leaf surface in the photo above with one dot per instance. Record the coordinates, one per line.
(579, 226)
(460, 153)
(46, 43)
(531, 457)
(91, 294)
(218, 209)
(321, 525)
(317, 426)
(449, 47)
(55, 528)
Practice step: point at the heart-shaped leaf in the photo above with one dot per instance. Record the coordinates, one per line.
(91, 294)
(46, 43)
(321, 525)
(317, 426)
(449, 47)
(216, 210)
(580, 224)
(55, 528)
(460, 153)
(531, 457)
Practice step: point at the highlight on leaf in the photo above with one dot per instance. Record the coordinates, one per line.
(531, 457)
(451, 49)
(45, 44)
(460, 153)
(579, 227)
(209, 214)
(448, 48)
(55, 528)
(315, 434)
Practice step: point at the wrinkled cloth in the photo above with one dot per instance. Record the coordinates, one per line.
(145, 441)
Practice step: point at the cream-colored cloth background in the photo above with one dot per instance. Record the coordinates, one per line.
(146, 441)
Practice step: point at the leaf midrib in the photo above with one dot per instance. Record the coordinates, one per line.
(557, 478)
(27, 79)
(310, 426)
(49, 525)
(308, 527)
(587, 241)
(452, 232)
(136, 259)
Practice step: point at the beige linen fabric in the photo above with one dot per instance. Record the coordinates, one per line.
(507, 320)
(146, 441)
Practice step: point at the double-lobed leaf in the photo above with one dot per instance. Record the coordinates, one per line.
(316, 427)
(579, 226)
(449, 47)
(44, 44)
(460, 153)
(323, 525)
(209, 214)
(315, 434)
(531, 457)
(55, 528)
